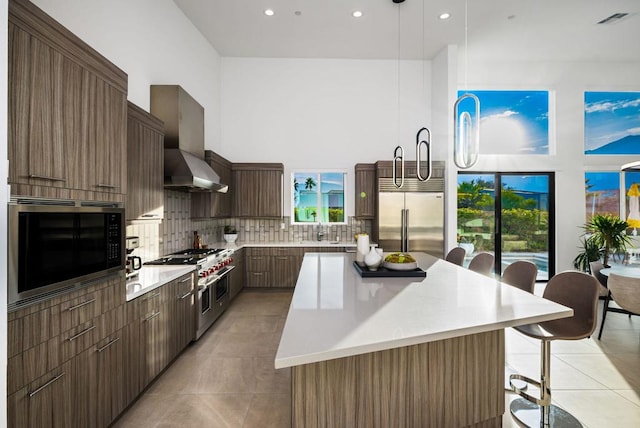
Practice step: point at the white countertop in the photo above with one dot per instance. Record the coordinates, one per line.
(238, 245)
(335, 313)
(151, 277)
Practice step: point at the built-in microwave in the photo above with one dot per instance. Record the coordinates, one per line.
(55, 245)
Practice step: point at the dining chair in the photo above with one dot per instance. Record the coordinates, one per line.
(625, 292)
(595, 268)
(456, 256)
(521, 274)
(482, 263)
(579, 291)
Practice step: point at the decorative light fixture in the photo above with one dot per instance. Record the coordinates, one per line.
(466, 129)
(269, 12)
(398, 153)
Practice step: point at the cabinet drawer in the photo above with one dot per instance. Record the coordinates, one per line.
(74, 312)
(257, 263)
(258, 279)
(151, 301)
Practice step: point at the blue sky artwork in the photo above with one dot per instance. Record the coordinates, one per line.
(512, 122)
(612, 123)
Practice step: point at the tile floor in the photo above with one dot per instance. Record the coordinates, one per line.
(226, 379)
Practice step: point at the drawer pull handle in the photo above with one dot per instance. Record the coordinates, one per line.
(46, 177)
(257, 273)
(150, 215)
(151, 296)
(106, 186)
(108, 344)
(185, 280)
(31, 394)
(82, 333)
(185, 296)
(152, 316)
(79, 305)
(282, 258)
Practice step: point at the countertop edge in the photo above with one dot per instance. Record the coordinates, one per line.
(174, 273)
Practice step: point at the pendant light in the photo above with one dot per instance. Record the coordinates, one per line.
(398, 153)
(466, 129)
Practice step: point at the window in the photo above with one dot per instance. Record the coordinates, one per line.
(602, 191)
(318, 197)
(612, 123)
(513, 122)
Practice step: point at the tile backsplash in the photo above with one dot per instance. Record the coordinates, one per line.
(175, 232)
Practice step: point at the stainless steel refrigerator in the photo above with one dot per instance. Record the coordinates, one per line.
(411, 218)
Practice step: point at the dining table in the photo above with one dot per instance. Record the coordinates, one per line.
(630, 271)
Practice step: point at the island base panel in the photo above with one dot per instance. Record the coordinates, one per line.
(455, 382)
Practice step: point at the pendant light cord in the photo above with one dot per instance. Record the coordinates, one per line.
(398, 84)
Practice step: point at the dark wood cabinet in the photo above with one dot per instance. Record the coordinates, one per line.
(182, 314)
(238, 274)
(214, 204)
(145, 157)
(365, 191)
(66, 112)
(277, 266)
(257, 189)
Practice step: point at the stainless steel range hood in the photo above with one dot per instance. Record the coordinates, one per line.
(184, 165)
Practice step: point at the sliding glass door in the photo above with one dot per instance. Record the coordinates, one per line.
(509, 215)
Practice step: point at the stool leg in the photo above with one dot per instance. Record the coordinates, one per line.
(533, 412)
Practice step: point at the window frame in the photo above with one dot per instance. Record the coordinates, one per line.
(317, 172)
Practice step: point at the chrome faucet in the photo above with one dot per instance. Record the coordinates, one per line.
(320, 233)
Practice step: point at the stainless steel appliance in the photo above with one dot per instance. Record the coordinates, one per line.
(134, 263)
(412, 218)
(56, 245)
(214, 267)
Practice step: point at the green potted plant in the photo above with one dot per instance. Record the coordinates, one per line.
(230, 234)
(609, 233)
(590, 253)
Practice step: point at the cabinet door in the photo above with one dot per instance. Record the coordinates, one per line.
(183, 316)
(46, 402)
(111, 376)
(106, 135)
(258, 267)
(214, 204)
(365, 186)
(284, 271)
(238, 274)
(258, 190)
(37, 153)
(145, 164)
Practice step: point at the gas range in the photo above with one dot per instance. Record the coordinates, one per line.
(213, 267)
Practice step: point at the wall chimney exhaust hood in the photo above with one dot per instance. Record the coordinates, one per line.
(184, 165)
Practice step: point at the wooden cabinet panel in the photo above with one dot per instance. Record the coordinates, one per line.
(365, 191)
(182, 315)
(257, 190)
(47, 401)
(145, 165)
(67, 112)
(238, 274)
(214, 204)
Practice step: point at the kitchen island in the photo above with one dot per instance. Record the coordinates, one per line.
(368, 352)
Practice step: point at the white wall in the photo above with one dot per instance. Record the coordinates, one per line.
(154, 43)
(567, 81)
(322, 113)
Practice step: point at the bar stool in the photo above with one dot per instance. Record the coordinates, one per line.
(521, 274)
(482, 263)
(579, 291)
(456, 256)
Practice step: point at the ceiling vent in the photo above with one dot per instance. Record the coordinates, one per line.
(616, 17)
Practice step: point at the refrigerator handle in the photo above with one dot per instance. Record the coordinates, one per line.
(404, 231)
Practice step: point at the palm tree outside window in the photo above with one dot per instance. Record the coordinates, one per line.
(318, 197)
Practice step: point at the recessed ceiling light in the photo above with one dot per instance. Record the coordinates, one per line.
(297, 13)
(269, 12)
(357, 14)
(445, 15)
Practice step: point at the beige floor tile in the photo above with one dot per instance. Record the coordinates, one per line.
(147, 412)
(269, 410)
(599, 409)
(269, 379)
(612, 373)
(563, 376)
(632, 395)
(245, 345)
(203, 410)
(516, 343)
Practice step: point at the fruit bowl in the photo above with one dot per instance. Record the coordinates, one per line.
(400, 261)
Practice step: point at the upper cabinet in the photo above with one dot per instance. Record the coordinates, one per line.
(214, 204)
(257, 189)
(145, 155)
(66, 115)
(365, 187)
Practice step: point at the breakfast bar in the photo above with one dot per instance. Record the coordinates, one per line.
(368, 352)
